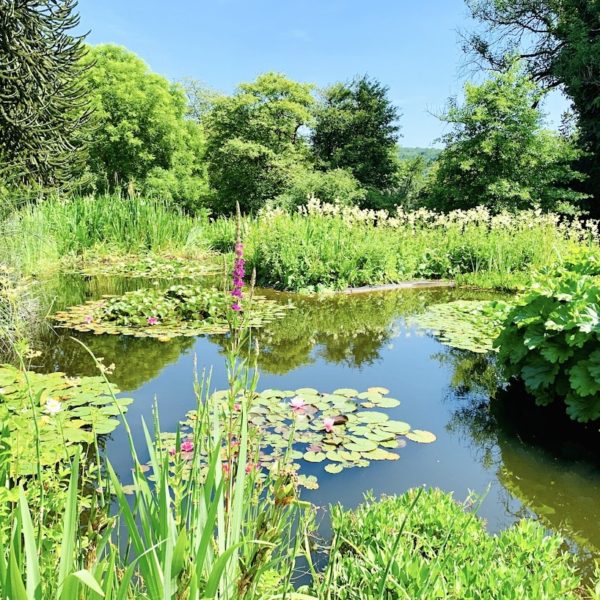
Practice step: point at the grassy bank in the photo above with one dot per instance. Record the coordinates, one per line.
(38, 236)
(326, 247)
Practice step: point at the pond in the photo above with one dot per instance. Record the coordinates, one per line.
(526, 461)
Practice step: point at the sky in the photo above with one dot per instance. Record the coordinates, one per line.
(411, 46)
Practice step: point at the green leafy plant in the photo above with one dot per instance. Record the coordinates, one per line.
(466, 324)
(339, 430)
(551, 338)
(68, 413)
(180, 310)
(432, 547)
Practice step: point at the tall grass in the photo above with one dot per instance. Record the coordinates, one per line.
(331, 248)
(37, 236)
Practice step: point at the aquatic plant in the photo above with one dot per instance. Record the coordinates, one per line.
(465, 324)
(340, 430)
(70, 412)
(163, 314)
(155, 266)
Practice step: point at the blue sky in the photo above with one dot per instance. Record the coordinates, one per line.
(413, 47)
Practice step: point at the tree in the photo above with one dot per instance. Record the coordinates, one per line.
(141, 138)
(255, 140)
(498, 154)
(356, 129)
(42, 99)
(559, 42)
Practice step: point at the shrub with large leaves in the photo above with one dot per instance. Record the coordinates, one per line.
(551, 338)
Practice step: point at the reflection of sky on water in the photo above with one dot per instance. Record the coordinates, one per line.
(361, 342)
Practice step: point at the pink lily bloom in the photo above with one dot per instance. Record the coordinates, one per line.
(88, 319)
(152, 320)
(187, 446)
(328, 422)
(297, 403)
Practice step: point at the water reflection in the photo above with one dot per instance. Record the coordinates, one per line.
(535, 459)
(551, 464)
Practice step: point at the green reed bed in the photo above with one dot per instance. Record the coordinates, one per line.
(328, 247)
(38, 236)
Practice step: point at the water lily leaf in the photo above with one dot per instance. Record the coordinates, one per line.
(423, 437)
(315, 457)
(334, 468)
(361, 445)
(348, 392)
(397, 427)
(379, 390)
(380, 454)
(372, 417)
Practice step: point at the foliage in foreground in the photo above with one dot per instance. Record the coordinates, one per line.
(392, 548)
(551, 339)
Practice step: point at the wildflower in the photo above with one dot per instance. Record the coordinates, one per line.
(251, 467)
(152, 320)
(88, 319)
(237, 407)
(328, 422)
(239, 269)
(226, 468)
(297, 403)
(187, 446)
(53, 406)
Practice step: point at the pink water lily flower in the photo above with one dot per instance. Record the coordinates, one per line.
(187, 446)
(152, 320)
(88, 319)
(297, 403)
(328, 422)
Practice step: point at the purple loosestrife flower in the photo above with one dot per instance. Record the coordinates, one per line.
(239, 271)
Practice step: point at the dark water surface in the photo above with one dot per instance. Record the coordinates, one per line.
(532, 463)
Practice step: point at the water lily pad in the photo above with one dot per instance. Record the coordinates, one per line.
(347, 392)
(334, 468)
(423, 437)
(315, 457)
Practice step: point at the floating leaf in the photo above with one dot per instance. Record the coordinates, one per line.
(334, 468)
(315, 457)
(423, 437)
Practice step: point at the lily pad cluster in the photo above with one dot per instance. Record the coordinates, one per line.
(69, 412)
(180, 310)
(152, 266)
(341, 430)
(466, 324)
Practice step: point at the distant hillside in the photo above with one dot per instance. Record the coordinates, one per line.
(429, 154)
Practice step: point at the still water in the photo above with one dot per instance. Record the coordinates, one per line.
(528, 462)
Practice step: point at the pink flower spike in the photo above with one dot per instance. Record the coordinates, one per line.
(152, 320)
(226, 468)
(297, 403)
(88, 319)
(187, 446)
(328, 422)
(250, 467)
(236, 307)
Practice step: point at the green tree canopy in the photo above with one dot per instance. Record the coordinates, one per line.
(498, 154)
(42, 100)
(255, 140)
(356, 128)
(140, 135)
(558, 41)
